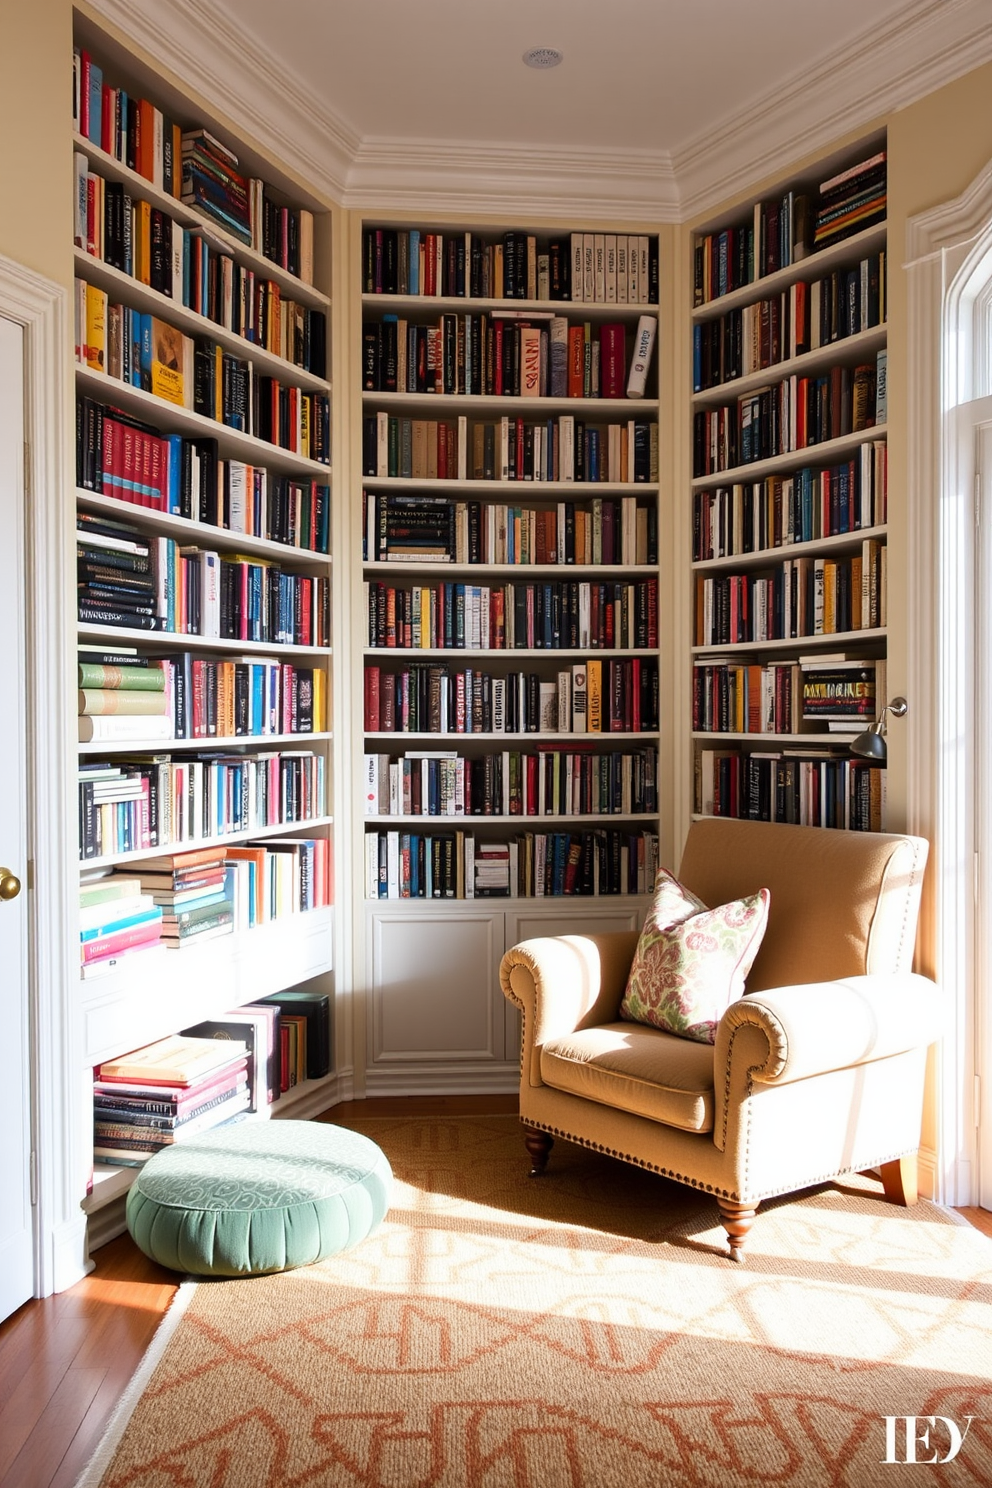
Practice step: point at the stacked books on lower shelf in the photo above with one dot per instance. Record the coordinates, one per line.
(164, 1093)
(116, 917)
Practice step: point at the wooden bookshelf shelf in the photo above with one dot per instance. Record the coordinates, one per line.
(204, 534)
(142, 189)
(512, 490)
(829, 452)
(847, 352)
(131, 291)
(422, 306)
(173, 640)
(793, 644)
(813, 266)
(233, 443)
(839, 542)
(192, 844)
(225, 742)
(603, 410)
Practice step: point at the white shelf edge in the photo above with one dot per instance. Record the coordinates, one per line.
(537, 738)
(815, 741)
(591, 652)
(222, 538)
(177, 640)
(795, 643)
(811, 454)
(836, 353)
(159, 411)
(578, 490)
(206, 227)
(193, 844)
(448, 823)
(857, 246)
(226, 742)
(469, 304)
(135, 291)
(766, 556)
(507, 403)
(544, 570)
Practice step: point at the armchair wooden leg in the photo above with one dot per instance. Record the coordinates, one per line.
(899, 1180)
(539, 1145)
(737, 1219)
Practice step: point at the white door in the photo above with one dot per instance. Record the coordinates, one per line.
(16, 1226)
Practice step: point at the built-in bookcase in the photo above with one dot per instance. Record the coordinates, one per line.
(203, 450)
(789, 498)
(509, 618)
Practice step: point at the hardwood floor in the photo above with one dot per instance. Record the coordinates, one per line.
(65, 1361)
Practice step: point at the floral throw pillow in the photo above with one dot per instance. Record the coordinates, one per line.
(691, 962)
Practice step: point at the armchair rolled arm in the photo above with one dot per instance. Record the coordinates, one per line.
(790, 1033)
(565, 982)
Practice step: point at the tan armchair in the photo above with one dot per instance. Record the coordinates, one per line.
(817, 1070)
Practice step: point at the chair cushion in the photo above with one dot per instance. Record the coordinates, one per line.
(258, 1196)
(691, 962)
(640, 1070)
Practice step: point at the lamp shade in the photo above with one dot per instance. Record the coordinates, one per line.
(870, 744)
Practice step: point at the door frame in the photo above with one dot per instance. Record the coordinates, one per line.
(948, 266)
(55, 1074)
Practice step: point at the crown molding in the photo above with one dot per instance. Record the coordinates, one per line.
(891, 65)
(888, 67)
(492, 179)
(206, 51)
(953, 222)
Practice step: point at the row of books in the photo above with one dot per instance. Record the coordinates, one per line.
(786, 697)
(784, 230)
(553, 616)
(509, 449)
(197, 374)
(812, 503)
(553, 781)
(508, 353)
(800, 319)
(603, 531)
(130, 460)
(789, 415)
(185, 696)
(135, 132)
(595, 268)
(125, 578)
(150, 246)
(591, 697)
(798, 786)
(149, 802)
(803, 597)
(454, 865)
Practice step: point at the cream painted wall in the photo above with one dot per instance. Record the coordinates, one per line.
(35, 114)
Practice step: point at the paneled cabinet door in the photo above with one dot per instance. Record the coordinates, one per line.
(435, 998)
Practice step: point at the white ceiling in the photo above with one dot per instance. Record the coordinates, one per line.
(660, 110)
(638, 74)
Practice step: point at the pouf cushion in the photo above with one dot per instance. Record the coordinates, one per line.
(257, 1197)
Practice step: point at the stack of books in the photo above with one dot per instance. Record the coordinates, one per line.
(213, 184)
(194, 892)
(492, 870)
(164, 1093)
(851, 201)
(841, 692)
(115, 918)
(115, 576)
(123, 701)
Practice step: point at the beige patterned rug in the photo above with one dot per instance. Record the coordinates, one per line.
(582, 1330)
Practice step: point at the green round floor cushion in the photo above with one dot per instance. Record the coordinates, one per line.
(257, 1197)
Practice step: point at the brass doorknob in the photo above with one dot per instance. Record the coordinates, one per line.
(10, 884)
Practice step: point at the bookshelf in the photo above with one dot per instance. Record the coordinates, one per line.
(240, 496)
(787, 658)
(509, 550)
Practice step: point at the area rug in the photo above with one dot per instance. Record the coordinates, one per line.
(581, 1330)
